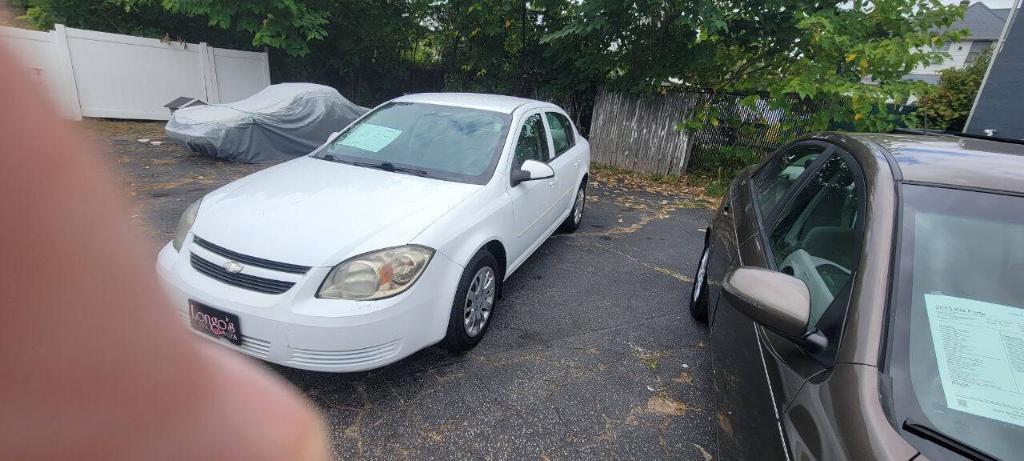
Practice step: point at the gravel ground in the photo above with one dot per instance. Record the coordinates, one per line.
(591, 355)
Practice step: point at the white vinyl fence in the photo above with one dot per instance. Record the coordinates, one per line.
(96, 74)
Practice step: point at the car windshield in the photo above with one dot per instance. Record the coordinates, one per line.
(957, 331)
(445, 142)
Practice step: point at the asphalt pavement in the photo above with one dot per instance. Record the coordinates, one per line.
(591, 354)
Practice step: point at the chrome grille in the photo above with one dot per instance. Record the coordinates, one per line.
(249, 282)
(250, 260)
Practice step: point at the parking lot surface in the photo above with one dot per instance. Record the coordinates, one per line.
(592, 354)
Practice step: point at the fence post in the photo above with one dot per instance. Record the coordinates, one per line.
(687, 151)
(208, 69)
(66, 77)
(266, 67)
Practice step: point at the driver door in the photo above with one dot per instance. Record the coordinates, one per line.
(533, 202)
(811, 229)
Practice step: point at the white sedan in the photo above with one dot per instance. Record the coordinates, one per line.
(394, 235)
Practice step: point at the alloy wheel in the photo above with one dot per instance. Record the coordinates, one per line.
(479, 301)
(577, 208)
(698, 282)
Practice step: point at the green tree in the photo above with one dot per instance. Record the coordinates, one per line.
(286, 24)
(852, 60)
(110, 16)
(947, 105)
(848, 58)
(845, 58)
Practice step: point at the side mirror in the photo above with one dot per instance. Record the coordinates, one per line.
(777, 301)
(532, 170)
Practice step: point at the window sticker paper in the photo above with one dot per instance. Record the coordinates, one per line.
(370, 137)
(979, 347)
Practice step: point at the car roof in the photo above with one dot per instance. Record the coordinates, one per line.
(492, 102)
(957, 161)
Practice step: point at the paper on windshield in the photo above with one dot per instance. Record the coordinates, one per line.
(370, 137)
(979, 347)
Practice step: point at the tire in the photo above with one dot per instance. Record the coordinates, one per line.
(572, 222)
(699, 290)
(473, 299)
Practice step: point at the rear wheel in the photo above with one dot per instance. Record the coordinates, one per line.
(572, 222)
(474, 303)
(699, 291)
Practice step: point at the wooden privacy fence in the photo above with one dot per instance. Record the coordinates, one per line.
(640, 134)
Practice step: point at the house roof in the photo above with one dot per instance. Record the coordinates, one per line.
(1001, 12)
(982, 22)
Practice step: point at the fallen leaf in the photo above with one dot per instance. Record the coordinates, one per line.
(723, 422)
(666, 406)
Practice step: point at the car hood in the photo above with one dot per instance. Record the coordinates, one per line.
(314, 212)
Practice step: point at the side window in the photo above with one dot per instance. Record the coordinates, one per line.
(778, 176)
(532, 143)
(817, 239)
(561, 132)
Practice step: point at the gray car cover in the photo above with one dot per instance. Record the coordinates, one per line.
(280, 122)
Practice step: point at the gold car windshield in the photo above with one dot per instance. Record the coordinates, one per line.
(957, 355)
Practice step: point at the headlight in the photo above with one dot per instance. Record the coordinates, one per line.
(376, 275)
(188, 218)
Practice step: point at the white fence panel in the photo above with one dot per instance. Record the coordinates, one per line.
(98, 74)
(37, 50)
(240, 74)
(120, 76)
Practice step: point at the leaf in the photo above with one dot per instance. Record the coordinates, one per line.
(850, 57)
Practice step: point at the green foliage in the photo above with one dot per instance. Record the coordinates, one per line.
(286, 24)
(144, 20)
(728, 160)
(793, 52)
(946, 106)
(879, 41)
(821, 51)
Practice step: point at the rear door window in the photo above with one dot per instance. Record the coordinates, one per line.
(561, 132)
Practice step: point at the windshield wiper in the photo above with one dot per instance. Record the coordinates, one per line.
(388, 166)
(944, 440)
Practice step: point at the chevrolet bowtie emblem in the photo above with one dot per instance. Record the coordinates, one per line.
(233, 267)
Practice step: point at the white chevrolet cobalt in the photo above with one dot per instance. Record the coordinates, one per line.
(394, 235)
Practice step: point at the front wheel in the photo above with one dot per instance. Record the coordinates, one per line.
(699, 291)
(474, 303)
(572, 222)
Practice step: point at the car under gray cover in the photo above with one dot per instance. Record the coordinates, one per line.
(280, 122)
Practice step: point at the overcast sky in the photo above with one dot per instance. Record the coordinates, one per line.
(989, 3)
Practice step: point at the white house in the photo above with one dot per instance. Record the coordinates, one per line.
(983, 24)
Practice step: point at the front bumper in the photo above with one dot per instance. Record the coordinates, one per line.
(299, 330)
